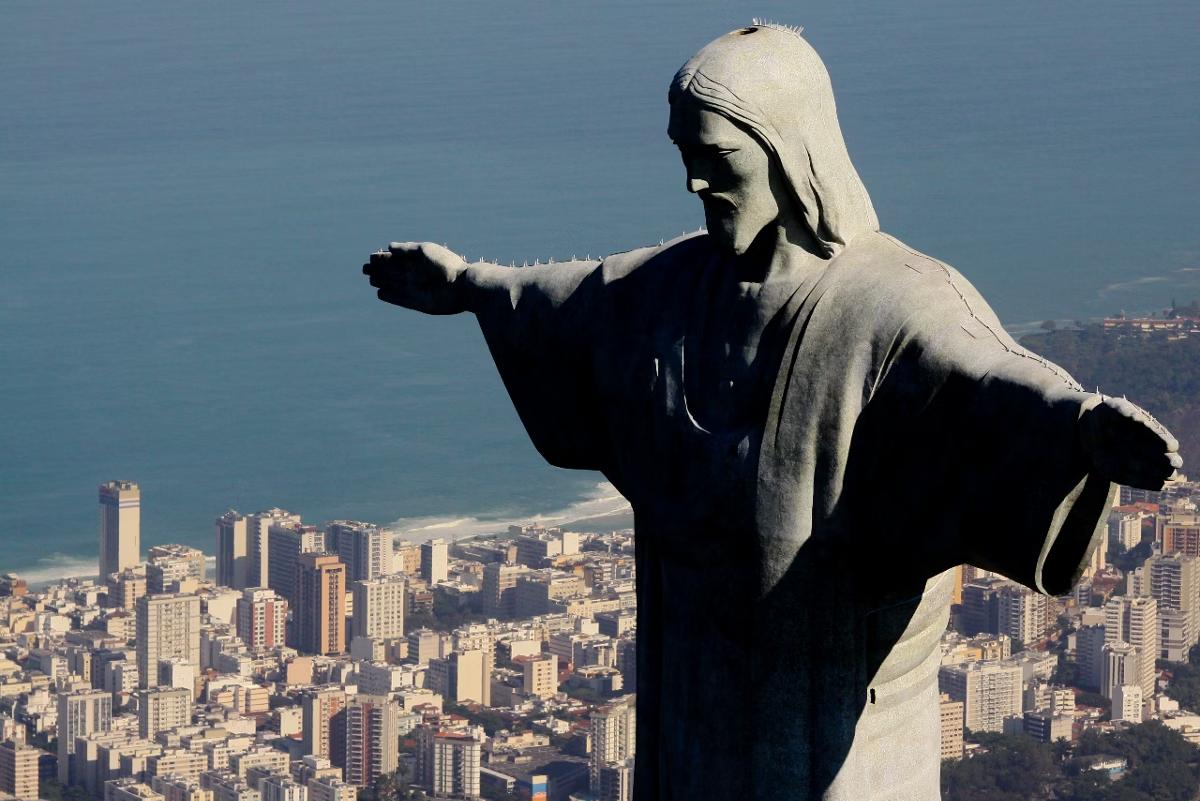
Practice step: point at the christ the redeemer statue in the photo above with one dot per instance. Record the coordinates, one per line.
(814, 423)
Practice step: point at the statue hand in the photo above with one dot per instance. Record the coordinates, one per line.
(1126, 446)
(418, 275)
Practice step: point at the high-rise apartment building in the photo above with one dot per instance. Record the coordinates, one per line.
(1176, 631)
(990, 692)
(979, 613)
(951, 714)
(1021, 613)
(261, 618)
(461, 677)
(615, 782)
(234, 551)
(365, 549)
(125, 587)
(179, 764)
(173, 787)
(1179, 532)
(1127, 703)
(379, 607)
(282, 788)
(1124, 531)
(308, 768)
(407, 559)
(499, 590)
(1175, 584)
(168, 626)
(613, 729)
(1135, 621)
(258, 540)
(998, 606)
(537, 592)
(448, 763)
(287, 542)
(169, 566)
(80, 713)
(19, 770)
(120, 526)
(537, 546)
(163, 709)
(435, 560)
(331, 788)
(539, 675)
(372, 738)
(1120, 667)
(1089, 640)
(277, 787)
(320, 610)
(426, 644)
(324, 720)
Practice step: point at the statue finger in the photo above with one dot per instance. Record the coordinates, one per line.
(1125, 407)
(378, 260)
(1142, 434)
(389, 296)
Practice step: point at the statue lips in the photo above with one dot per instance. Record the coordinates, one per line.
(717, 201)
(717, 209)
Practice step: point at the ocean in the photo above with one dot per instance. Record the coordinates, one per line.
(187, 193)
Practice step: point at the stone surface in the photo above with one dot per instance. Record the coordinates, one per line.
(813, 422)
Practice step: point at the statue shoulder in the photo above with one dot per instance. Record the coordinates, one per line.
(683, 249)
(907, 287)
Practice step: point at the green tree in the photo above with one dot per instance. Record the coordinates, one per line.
(51, 790)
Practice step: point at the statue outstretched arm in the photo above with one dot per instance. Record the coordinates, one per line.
(539, 323)
(1025, 458)
(431, 278)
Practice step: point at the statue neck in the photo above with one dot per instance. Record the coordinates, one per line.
(784, 251)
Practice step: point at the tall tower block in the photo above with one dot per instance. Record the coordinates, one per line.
(120, 526)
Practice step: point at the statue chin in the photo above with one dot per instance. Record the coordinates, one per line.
(725, 238)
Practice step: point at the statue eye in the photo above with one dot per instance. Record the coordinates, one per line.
(726, 152)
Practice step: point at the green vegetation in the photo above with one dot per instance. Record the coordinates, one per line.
(1185, 682)
(51, 790)
(1133, 558)
(1096, 700)
(1015, 768)
(1161, 375)
(392, 787)
(585, 694)
(1163, 766)
(449, 613)
(489, 719)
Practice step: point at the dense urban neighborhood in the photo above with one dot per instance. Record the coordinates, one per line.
(301, 662)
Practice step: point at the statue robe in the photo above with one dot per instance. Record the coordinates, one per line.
(793, 564)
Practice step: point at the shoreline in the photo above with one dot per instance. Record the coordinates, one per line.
(602, 503)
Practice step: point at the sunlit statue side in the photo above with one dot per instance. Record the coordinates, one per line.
(814, 424)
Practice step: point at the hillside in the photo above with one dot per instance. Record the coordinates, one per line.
(1161, 375)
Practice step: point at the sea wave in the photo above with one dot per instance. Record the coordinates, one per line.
(59, 566)
(603, 502)
(56, 566)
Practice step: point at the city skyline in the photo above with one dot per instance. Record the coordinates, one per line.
(540, 618)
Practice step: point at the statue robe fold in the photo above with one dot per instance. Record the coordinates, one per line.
(793, 553)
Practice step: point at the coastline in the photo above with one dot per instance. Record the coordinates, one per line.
(602, 509)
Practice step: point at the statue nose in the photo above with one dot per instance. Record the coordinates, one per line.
(696, 185)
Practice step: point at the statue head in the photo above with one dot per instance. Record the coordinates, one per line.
(754, 116)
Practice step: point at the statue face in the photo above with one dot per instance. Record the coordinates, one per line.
(731, 173)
